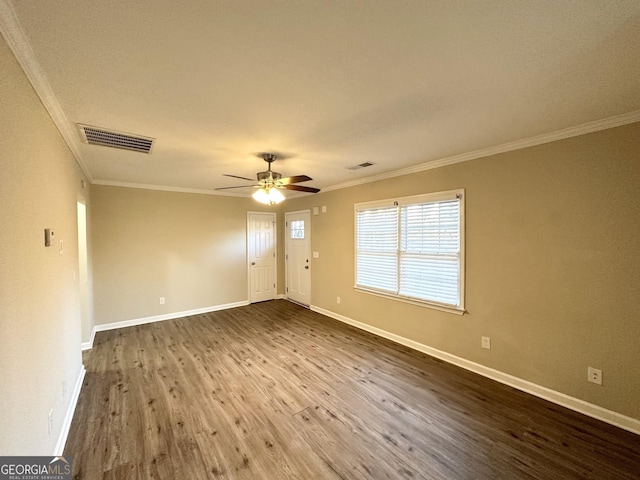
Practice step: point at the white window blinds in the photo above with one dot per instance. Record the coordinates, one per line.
(412, 248)
(377, 248)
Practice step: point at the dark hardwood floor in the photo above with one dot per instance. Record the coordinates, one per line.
(275, 391)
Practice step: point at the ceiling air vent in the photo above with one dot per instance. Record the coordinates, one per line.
(361, 165)
(110, 138)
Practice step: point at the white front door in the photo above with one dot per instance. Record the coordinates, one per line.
(298, 256)
(261, 247)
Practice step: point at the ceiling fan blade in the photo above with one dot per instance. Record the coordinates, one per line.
(237, 186)
(300, 188)
(295, 179)
(236, 176)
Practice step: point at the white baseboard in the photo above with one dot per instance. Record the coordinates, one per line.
(281, 296)
(66, 423)
(586, 408)
(158, 318)
(89, 345)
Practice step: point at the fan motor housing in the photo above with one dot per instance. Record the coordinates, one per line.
(263, 176)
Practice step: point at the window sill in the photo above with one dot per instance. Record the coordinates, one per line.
(435, 306)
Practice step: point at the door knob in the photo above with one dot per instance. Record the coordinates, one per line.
(253, 263)
(306, 267)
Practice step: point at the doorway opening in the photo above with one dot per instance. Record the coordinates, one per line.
(83, 272)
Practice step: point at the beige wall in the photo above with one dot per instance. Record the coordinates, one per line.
(188, 248)
(39, 306)
(553, 264)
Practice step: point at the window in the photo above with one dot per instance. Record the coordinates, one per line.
(412, 249)
(297, 229)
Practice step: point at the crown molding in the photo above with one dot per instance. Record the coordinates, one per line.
(19, 44)
(164, 188)
(582, 129)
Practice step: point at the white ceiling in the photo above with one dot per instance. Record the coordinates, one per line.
(325, 84)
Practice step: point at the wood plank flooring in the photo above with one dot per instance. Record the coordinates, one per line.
(275, 391)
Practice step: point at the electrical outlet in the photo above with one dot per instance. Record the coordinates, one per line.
(594, 375)
(162, 300)
(50, 421)
(486, 343)
(338, 300)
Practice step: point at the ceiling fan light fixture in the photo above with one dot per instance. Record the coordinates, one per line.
(271, 182)
(268, 196)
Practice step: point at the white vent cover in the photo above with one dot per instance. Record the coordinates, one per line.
(361, 165)
(110, 138)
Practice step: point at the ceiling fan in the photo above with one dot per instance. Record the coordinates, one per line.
(270, 183)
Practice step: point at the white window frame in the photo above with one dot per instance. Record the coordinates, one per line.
(412, 200)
